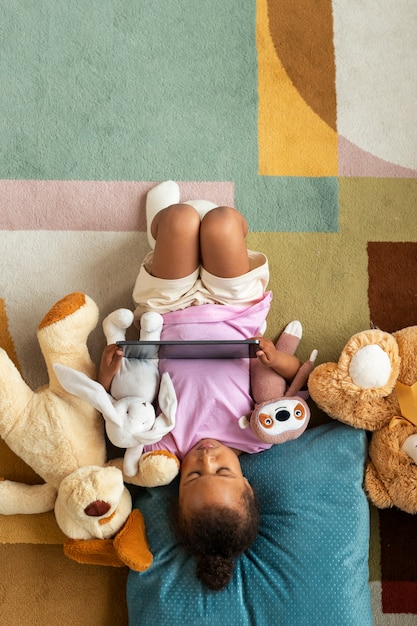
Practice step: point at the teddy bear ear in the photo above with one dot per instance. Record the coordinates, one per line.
(371, 362)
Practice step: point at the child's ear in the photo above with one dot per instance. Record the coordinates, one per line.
(248, 485)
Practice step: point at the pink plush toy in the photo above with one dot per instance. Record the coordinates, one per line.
(280, 415)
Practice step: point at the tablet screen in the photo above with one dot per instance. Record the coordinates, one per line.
(216, 349)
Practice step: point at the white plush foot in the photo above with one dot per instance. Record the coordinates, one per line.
(294, 328)
(290, 337)
(201, 206)
(151, 326)
(115, 324)
(159, 198)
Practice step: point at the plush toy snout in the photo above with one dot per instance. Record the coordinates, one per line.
(92, 502)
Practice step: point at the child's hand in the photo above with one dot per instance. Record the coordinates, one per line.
(267, 352)
(111, 360)
(287, 365)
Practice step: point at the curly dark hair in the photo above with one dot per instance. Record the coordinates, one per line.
(216, 536)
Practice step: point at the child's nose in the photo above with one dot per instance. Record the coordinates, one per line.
(209, 461)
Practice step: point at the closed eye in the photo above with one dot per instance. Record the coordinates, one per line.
(221, 471)
(193, 474)
(224, 471)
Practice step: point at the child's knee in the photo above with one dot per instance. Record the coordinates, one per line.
(178, 218)
(223, 220)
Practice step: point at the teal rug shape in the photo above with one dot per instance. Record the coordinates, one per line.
(121, 90)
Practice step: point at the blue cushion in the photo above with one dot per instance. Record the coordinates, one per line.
(309, 564)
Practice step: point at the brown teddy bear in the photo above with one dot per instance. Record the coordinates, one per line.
(374, 386)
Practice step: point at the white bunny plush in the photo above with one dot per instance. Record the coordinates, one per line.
(128, 410)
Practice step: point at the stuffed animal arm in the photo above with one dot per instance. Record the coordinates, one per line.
(279, 414)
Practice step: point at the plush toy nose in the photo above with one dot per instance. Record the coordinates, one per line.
(283, 415)
(97, 508)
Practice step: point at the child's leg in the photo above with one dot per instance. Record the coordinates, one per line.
(159, 198)
(222, 243)
(176, 230)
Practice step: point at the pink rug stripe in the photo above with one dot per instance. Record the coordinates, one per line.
(354, 161)
(90, 205)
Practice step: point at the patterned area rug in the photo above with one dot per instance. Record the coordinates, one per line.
(302, 116)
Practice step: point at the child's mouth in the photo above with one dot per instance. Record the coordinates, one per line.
(206, 443)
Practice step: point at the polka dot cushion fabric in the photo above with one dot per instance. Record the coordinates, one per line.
(309, 563)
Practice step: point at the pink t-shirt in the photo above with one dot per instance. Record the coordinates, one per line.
(212, 393)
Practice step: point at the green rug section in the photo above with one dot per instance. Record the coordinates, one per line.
(122, 90)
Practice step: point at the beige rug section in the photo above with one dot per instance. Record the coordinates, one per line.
(50, 590)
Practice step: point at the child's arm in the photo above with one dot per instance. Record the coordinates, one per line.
(287, 365)
(111, 360)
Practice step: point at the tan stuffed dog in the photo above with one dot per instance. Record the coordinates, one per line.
(374, 386)
(62, 438)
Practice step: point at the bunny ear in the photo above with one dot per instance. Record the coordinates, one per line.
(83, 387)
(131, 459)
(167, 398)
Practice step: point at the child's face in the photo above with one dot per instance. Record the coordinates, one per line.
(211, 476)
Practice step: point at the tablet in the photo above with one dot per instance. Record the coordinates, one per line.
(205, 349)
